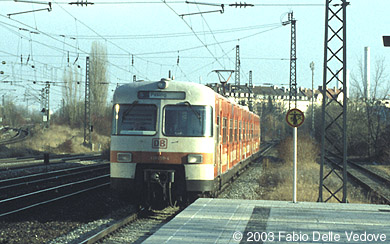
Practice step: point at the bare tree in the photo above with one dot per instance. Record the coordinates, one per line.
(369, 110)
(380, 86)
(98, 77)
(72, 95)
(12, 114)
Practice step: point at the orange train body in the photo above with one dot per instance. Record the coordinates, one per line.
(180, 136)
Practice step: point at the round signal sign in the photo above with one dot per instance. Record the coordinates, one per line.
(295, 117)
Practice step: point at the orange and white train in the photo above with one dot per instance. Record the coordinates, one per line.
(172, 140)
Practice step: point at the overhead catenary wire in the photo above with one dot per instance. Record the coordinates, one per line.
(55, 39)
(211, 32)
(197, 36)
(99, 35)
(183, 2)
(170, 35)
(217, 43)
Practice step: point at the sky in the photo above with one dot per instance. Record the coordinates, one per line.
(147, 38)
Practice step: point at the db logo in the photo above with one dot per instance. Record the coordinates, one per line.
(160, 143)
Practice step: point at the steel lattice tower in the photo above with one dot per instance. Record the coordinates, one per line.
(250, 96)
(334, 105)
(43, 100)
(238, 64)
(250, 79)
(293, 63)
(87, 108)
(47, 103)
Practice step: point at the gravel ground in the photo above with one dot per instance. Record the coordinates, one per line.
(245, 186)
(142, 228)
(83, 212)
(93, 227)
(73, 220)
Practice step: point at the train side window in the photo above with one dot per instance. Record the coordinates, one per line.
(224, 130)
(243, 131)
(245, 128)
(235, 130)
(246, 132)
(218, 130)
(231, 131)
(239, 132)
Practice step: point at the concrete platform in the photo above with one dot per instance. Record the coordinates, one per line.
(256, 221)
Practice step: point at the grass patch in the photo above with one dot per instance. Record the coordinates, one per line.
(58, 139)
(276, 182)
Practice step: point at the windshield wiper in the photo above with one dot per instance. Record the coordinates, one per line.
(130, 108)
(193, 110)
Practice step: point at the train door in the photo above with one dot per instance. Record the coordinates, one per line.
(218, 146)
(240, 140)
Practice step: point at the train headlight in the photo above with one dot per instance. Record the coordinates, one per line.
(162, 84)
(195, 158)
(125, 157)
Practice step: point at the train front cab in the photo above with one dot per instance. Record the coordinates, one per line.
(175, 150)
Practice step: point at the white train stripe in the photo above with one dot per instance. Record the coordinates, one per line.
(199, 172)
(123, 170)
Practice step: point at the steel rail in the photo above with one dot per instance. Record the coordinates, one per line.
(41, 157)
(53, 158)
(21, 135)
(15, 163)
(372, 173)
(257, 157)
(51, 190)
(131, 218)
(47, 176)
(112, 228)
(370, 182)
(54, 199)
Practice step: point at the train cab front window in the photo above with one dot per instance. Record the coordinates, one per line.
(134, 119)
(188, 120)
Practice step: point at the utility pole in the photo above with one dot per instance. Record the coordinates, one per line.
(293, 63)
(87, 108)
(2, 108)
(312, 97)
(334, 111)
(45, 97)
(47, 103)
(250, 96)
(238, 64)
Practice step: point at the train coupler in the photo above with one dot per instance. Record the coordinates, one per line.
(155, 178)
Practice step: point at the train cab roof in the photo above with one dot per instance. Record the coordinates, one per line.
(165, 89)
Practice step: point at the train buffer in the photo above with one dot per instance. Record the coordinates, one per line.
(210, 220)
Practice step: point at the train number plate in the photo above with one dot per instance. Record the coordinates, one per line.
(161, 143)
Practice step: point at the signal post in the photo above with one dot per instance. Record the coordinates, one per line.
(295, 118)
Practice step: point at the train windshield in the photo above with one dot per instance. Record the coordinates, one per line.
(134, 119)
(188, 120)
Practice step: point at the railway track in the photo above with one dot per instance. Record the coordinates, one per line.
(31, 161)
(134, 228)
(20, 135)
(27, 192)
(122, 231)
(370, 180)
(127, 230)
